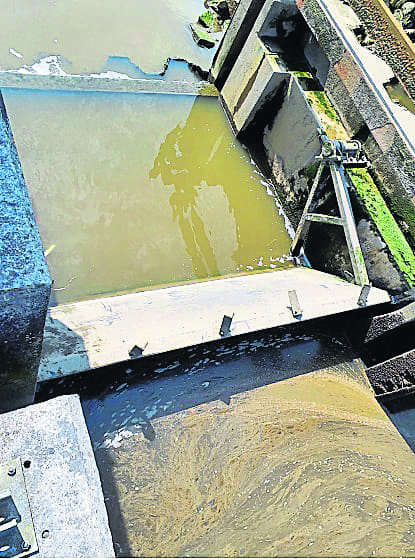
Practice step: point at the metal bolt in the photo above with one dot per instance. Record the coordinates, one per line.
(25, 545)
(11, 471)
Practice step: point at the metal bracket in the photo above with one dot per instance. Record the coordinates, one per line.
(364, 294)
(295, 304)
(17, 533)
(337, 155)
(225, 328)
(137, 352)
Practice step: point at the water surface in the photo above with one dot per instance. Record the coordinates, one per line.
(85, 33)
(132, 191)
(215, 453)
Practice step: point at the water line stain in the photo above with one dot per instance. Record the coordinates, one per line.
(138, 191)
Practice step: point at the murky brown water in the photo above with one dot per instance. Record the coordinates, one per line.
(306, 467)
(86, 32)
(134, 191)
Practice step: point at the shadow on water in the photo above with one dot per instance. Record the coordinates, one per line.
(174, 164)
(123, 400)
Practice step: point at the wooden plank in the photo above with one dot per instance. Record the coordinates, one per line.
(304, 225)
(95, 333)
(352, 240)
(322, 218)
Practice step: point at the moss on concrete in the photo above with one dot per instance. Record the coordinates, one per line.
(201, 36)
(402, 210)
(319, 99)
(327, 115)
(299, 74)
(385, 223)
(309, 172)
(207, 19)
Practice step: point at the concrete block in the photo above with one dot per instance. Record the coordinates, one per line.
(61, 477)
(243, 75)
(373, 112)
(383, 324)
(260, 89)
(346, 108)
(394, 374)
(322, 29)
(24, 280)
(292, 137)
(234, 39)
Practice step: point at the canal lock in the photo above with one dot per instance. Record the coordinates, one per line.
(197, 446)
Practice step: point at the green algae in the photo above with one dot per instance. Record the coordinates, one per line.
(403, 212)
(385, 222)
(207, 19)
(310, 171)
(208, 90)
(320, 99)
(327, 115)
(299, 74)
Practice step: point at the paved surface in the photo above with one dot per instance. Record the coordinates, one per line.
(61, 478)
(100, 332)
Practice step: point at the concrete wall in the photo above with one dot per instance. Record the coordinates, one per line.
(234, 39)
(24, 280)
(357, 98)
(270, 102)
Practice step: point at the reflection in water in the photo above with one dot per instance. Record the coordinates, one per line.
(137, 190)
(199, 156)
(86, 33)
(173, 166)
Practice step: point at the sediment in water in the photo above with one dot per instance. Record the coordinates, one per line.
(310, 466)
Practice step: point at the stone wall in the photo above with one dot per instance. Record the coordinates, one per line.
(24, 280)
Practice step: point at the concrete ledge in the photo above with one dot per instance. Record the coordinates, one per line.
(87, 83)
(383, 324)
(234, 39)
(61, 477)
(394, 374)
(245, 100)
(24, 280)
(100, 332)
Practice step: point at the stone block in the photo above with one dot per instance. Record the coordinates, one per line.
(24, 280)
(61, 477)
